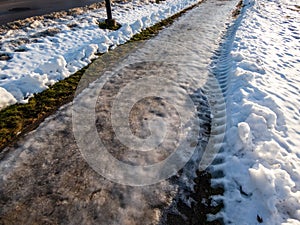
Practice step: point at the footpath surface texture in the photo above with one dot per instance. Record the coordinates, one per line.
(45, 179)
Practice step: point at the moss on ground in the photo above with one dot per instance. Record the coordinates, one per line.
(20, 118)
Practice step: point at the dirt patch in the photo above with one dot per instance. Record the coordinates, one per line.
(5, 57)
(237, 10)
(47, 32)
(182, 214)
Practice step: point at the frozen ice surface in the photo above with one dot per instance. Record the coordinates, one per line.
(47, 162)
(258, 69)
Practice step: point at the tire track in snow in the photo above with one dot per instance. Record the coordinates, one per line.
(222, 67)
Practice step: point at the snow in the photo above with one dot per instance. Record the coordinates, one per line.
(262, 152)
(40, 60)
(6, 98)
(261, 156)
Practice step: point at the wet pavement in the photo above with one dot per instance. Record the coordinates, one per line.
(11, 10)
(57, 175)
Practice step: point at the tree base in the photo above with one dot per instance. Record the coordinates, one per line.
(110, 24)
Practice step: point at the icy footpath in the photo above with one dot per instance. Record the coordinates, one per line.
(38, 61)
(262, 156)
(45, 178)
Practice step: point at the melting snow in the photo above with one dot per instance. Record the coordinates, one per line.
(39, 61)
(262, 151)
(262, 162)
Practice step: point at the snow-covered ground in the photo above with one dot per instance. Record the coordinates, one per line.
(262, 151)
(38, 61)
(261, 157)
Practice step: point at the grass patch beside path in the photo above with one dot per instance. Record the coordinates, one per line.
(19, 119)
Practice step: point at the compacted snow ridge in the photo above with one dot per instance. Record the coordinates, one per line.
(48, 51)
(259, 66)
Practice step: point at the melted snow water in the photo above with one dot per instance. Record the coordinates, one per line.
(45, 175)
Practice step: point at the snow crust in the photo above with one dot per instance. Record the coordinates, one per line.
(262, 146)
(262, 153)
(39, 60)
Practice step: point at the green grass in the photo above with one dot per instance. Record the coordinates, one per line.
(18, 119)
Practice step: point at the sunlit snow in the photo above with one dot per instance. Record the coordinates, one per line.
(39, 61)
(262, 159)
